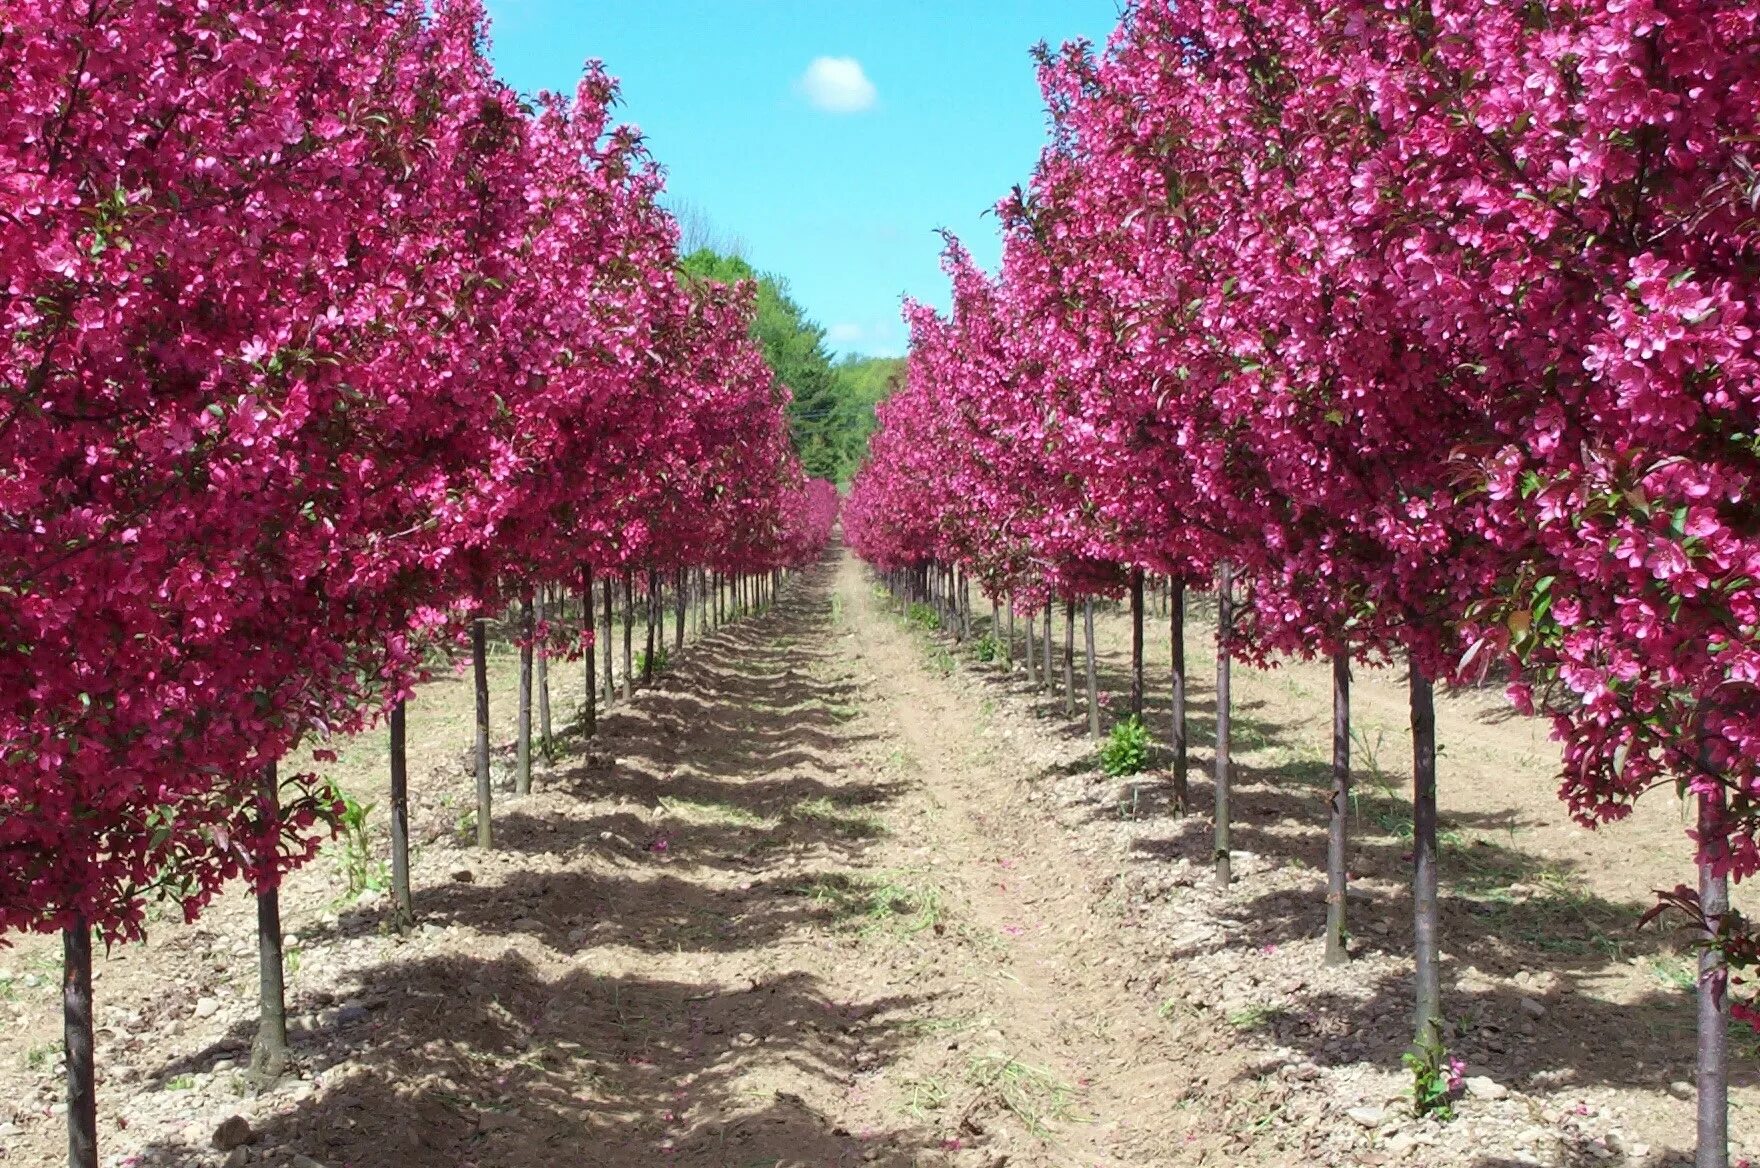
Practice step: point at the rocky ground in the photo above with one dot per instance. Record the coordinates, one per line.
(834, 892)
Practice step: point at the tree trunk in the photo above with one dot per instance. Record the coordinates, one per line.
(1427, 1004)
(1069, 658)
(589, 652)
(680, 606)
(1714, 1015)
(1048, 677)
(480, 667)
(610, 644)
(522, 767)
(269, 1049)
(1093, 679)
(546, 729)
(629, 635)
(653, 615)
(1137, 642)
(1008, 641)
(1224, 628)
(76, 1021)
(1032, 655)
(1338, 809)
(1176, 619)
(403, 902)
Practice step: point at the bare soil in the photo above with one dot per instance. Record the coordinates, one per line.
(834, 892)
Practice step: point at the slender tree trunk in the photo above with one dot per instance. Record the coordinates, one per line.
(653, 615)
(995, 626)
(1338, 809)
(590, 651)
(610, 643)
(1714, 1013)
(546, 729)
(480, 667)
(1176, 618)
(1069, 658)
(965, 604)
(1224, 630)
(1427, 1005)
(1032, 656)
(629, 635)
(1093, 678)
(522, 769)
(1137, 642)
(403, 902)
(76, 1021)
(680, 605)
(1008, 641)
(270, 1050)
(1048, 678)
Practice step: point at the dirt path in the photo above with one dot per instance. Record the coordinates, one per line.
(831, 894)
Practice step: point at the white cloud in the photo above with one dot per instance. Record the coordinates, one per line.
(838, 85)
(845, 333)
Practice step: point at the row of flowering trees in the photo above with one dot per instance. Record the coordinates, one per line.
(317, 344)
(1431, 322)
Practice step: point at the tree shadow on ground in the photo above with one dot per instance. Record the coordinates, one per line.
(496, 1061)
(719, 793)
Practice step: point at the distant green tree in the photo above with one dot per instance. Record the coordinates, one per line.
(862, 384)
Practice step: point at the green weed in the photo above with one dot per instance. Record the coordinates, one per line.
(1031, 1094)
(923, 1095)
(874, 905)
(1256, 1017)
(855, 822)
(707, 811)
(1126, 751)
(922, 616)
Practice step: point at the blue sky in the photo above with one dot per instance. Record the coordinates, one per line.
(830, 138)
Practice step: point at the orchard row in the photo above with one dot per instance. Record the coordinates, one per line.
(317, 345)
(1420, 330)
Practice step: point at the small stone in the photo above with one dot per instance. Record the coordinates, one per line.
(352, 1015)
(8, 1129)
(1367, 1116)
(1681, 1089)
(238, 1158)
(463, 876)
(221, 1066)
(1532, 1008)
(207, 1007)
(234, 1132)
(1481, 1087)
(300, 1161)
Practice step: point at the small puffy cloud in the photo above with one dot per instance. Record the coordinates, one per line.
(845, 333)
(838, 85)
